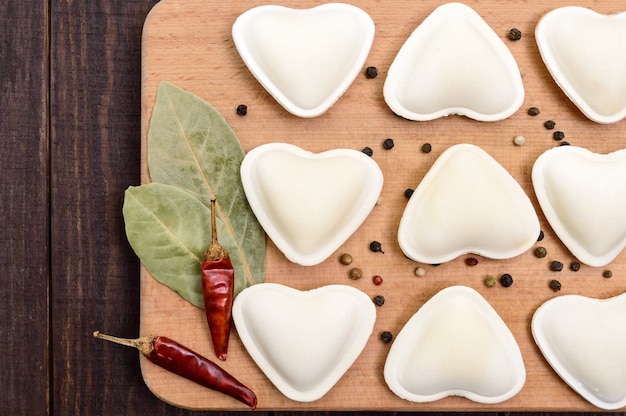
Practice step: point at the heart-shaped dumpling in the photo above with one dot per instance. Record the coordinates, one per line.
(583, 340)
(454, 63)
(467, 203)
(455, 344)
(304, 341)
(310, 203)
(305, 58)
(583, 196)
(585, 53)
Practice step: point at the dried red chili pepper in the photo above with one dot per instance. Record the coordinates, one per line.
(218, 284)
(186, 363)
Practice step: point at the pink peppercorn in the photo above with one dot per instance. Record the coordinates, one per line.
(378, 280)
(471, 261)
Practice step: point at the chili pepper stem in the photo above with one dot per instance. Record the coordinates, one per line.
(215, 251)
(143, 344)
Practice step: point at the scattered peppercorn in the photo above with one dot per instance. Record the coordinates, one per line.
(556, 266)
(420, 272)
(379, 300)
(376, 247)
(550, 124)
(408, 192)
(388, 144)
(574, 266)
(427, 147)
(355, 274)
(607, 273)
(345, 259)
(242, 109)
(519, 140)
(368, 151)
(490, 281)
(371, 72)
(386, 337)
(541, 235)
(558, 135)
(555, 285)
(378, 280)
(540, 252)
(515, 34)
(506, 280)
(564, 143)
(471, 261)
(533, 111)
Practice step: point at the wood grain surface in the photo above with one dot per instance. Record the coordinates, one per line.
(70, 144)
(24, 208)
(95, 52)
(189, 44)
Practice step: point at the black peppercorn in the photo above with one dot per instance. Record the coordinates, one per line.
(371, 72)
(378, 300)
(607, 273)
(388, 144)
(506, 280)
(386, 336)
(242, 109)
(541, 235)
(556, 266)
(515, 34)
(368, 151)
(540, 252)
(427, 147)
(574, 266)
(549, 124)
(564, 143)
(533, 111)
(555, 285)
(558, 135)
(408, 192)
(376, 247)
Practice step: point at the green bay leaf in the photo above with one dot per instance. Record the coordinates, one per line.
(192, 147)
(170, 230)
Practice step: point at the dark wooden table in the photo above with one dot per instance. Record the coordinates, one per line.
(69, 147)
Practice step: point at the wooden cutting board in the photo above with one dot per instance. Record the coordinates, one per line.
(188, 43)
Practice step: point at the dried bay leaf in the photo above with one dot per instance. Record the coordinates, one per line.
(192, 147)
(170, 230)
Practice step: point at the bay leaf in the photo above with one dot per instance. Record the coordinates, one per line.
(170, 231)
(191, 146)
